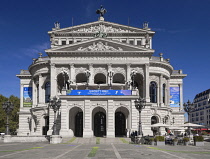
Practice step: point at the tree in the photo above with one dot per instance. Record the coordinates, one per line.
(13, 116)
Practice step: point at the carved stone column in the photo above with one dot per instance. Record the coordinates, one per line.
(53, 81)
(41, 90)
(128, 67)
(34, 97)
(87, 133)
(72, 73)
(181, 97)
(146, 83)
(21, 95)
(91, 78)
(168, 93)
(110, 119)
(160, 90)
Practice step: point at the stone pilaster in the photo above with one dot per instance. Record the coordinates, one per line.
(87, 131)
(168, 93)
(110, 120)
(72, 73)
(41, 90)
(34, 98)
(91, 78)
(21, 95)
(181, 97)
(53, 85)
(64, 121)
(134, 118)
(146, 83)
(128, 67)
(160, 90)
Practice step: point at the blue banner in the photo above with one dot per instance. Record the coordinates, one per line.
(27, 96)
(99, 93)
(174, 97)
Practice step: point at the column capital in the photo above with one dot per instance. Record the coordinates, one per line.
(90, 65)
(71, 65)
(146, 64)
(128, 64)
(109, 65)
(52, 64)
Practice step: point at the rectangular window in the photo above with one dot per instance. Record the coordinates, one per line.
(131, 42)
(70, 42)
(138, 42)
(63, 42)
(123, 41)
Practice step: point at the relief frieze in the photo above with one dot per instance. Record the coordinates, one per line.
(102, 28)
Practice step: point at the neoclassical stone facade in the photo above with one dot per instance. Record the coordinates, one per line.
(99, 57)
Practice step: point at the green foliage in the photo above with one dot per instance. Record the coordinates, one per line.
(151, 139)
(198, 138)
(13, 116)
(159, 138)
(186, 139)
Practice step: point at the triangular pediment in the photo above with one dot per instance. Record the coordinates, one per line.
(99, 45)
(102, 26)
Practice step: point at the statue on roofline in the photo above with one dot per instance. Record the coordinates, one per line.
(101, 11)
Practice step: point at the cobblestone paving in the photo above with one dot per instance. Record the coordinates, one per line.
(80, 148)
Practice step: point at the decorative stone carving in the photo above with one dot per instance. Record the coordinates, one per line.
(80, 70)
(103, 28)
(119, 70)
(99, 47)
(154, 78)
(140, 71)
(62, 69)
(100, 70)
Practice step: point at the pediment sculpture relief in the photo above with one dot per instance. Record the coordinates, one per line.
(102, 28)
(99, 47)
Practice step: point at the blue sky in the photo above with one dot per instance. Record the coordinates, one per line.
(182, 33)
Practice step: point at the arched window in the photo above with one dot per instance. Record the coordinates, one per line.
(100, 78)
(153, 92)
(164, 93)
(47, 92)
(81, 78)
(118, 78)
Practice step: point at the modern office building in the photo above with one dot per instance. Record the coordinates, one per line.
(201, 109)
(97, 70)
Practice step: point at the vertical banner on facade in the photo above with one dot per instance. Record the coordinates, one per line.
(27, 96)
(174, 96)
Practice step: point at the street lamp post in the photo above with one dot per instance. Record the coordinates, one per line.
(8, 107)
(140, 104)
(87, 73)
(110, 75)
(133, 74)
(188, 107)
(55, 104)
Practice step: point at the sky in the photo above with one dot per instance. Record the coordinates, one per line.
(182, 33)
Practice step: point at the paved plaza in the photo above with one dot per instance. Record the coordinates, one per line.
(100, 148)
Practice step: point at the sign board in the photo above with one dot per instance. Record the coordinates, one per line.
(27, 96)
(174, 96)
(99, 93)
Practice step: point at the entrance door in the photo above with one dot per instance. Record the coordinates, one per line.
(100, 124)
(120, 124)
(79, 124)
